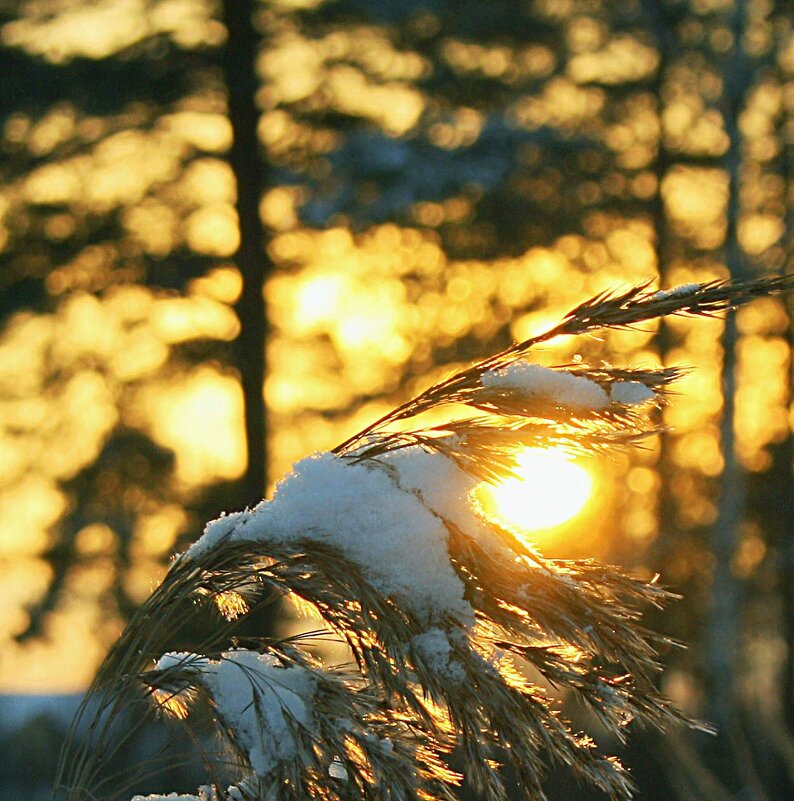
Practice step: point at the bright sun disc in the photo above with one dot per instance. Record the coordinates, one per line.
(550, 490)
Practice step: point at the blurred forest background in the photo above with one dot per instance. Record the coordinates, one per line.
(327, 204)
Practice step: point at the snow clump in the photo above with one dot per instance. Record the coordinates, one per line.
(387, 530)
(676, 292)
(558, 386)
(258, 699)
(434, 648)
(205, 794)
(630, 393)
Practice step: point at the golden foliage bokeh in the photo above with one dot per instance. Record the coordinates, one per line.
(357, 318)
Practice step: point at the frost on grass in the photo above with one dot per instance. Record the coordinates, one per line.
(445, 613)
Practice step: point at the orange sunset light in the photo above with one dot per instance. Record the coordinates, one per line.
(549, 490)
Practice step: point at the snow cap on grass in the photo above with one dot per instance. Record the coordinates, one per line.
(446, 491)
(676, 292)
(205, 794)
(630, 393)
(262, 703)
(558, 386)
(217, 531)
(181, 660)
(170, 797)
(387, 531)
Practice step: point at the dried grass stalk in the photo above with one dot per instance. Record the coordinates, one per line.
(429, 676)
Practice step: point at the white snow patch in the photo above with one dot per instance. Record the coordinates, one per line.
(630, 393)
(169, 797)
(559, 386)
(675, 292)
(389, 533)
(205, 794)
(336, 770)
(181, 659)
(434, 648)
(261, 701)
(220, 529)
(446, 490)
(249, 788)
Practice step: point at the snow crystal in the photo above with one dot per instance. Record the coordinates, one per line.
(559, 386)
(676, 292)
(434, 648)
(260, 701)
(630, 393)
(399, 544)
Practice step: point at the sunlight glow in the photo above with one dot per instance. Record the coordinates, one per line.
(231, 604)
(551, 490)
(172, 703)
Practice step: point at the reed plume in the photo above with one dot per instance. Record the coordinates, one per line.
(444, 611)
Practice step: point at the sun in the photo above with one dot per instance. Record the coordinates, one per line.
(550, 489)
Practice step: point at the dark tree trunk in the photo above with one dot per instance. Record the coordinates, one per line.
(252, 261)
(723, 627)
(662, 23)
(784, 460)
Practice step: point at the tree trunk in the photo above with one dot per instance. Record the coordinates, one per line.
(785, 454)
(723, 630)
(251, 257)
(662, 23)
(722, 635)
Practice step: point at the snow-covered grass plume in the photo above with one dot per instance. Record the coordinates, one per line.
(441, 608)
